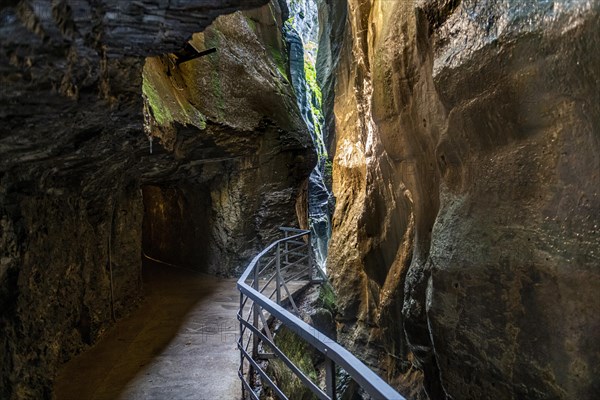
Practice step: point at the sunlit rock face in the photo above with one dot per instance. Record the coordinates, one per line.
(74, 157)
(466, 242)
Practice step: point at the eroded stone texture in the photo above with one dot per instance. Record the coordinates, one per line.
(515, 283)
(465, 243)
(74, 156)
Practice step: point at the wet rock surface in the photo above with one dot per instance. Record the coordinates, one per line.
(301, 31)
(465, 238)
(74, 157)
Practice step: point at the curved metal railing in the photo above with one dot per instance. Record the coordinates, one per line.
(284, 263)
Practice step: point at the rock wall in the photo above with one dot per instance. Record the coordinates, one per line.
(244, 172)
(74, 157)
(465, 244)
(56, 290)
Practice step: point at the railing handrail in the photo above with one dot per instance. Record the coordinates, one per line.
(288, 229)
(254, 261)
(358, 371)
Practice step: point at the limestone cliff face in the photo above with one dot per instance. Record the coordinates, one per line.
(465, 245)
(77, 177)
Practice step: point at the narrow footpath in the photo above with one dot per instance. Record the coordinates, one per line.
(180, 344)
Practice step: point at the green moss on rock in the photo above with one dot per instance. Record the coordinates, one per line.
(167, 102)
(311, 79)
(327, 298)
(251, 23)
(303, 356)
(160, 112)
(280, 61)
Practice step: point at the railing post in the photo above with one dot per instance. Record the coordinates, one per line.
(241, 343)
(255, 311)
(330, 377)
(287, 249)
(278, 276)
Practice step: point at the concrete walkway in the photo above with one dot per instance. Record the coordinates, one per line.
(180, 344)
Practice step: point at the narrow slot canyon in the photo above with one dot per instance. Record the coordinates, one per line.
(299, 199)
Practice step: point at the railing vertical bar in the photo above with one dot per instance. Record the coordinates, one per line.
(248, 342)
(278, 272)
(241, 341)
(330, 378)
(311, 269)
(286, 253)
(255, 310)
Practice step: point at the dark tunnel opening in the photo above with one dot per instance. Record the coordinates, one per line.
(176, 227)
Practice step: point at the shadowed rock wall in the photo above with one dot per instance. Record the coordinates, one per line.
(465, 244)
(254, 151)
(73, 157)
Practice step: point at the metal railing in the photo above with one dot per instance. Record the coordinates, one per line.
(283, 264)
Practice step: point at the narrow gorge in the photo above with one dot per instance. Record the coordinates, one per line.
(443, 154)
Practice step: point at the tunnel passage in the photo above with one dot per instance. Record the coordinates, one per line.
(176, 226)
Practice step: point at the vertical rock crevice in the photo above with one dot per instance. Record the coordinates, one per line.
(301, 31)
